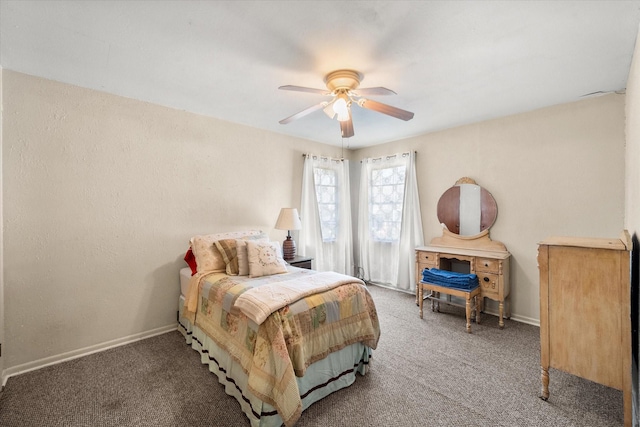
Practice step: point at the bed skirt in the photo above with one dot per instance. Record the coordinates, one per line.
(336, 371)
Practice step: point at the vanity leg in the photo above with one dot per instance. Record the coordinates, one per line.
(478, 300)
(468, 312)
(545, 383)
(500, 319)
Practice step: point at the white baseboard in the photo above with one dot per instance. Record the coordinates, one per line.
(52, 360)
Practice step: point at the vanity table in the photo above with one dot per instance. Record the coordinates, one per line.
(466, 212)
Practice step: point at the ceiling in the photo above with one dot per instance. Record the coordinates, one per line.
(451, 63)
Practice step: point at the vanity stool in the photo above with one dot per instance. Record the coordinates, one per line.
(454, 284)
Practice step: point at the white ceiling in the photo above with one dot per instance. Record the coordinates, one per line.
(451, 63)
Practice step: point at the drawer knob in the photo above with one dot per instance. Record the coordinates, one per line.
(486, 279)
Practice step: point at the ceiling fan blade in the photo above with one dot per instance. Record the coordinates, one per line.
(305, 89)
(303, 113)
(368, 91)
(346, 128)
(386, 109)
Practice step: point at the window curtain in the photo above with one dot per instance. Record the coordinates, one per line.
(335, 251)
(390, 262)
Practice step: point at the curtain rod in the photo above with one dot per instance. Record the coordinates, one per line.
(391, 156)
(315, 156)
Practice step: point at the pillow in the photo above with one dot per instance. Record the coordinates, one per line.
(241, 250)
(208, 258)
(190, 259)
(265, 258)
(227, 248)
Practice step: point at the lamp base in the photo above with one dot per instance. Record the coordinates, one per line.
(289, 249)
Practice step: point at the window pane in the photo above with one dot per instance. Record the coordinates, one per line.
(386, 189)
(326, 183)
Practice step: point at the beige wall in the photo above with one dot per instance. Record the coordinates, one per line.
(632, 199)
(1, 246)
(554, 171)
(101, 194)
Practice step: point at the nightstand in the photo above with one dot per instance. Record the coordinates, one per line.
(301, 262)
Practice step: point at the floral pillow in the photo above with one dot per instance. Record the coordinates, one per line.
(265, 258)
(243, 256)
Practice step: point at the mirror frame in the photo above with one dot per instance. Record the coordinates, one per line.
(448, 209)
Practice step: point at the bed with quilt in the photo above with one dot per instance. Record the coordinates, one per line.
(278, 337)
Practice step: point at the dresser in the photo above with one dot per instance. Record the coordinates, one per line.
(585, 311)
(486, 258)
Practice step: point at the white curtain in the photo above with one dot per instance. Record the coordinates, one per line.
(387, 253)
(334, 250)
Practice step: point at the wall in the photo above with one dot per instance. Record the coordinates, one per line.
(554, 171)
(632, 113)
(101, 194)
(1, 246)
(632, 209)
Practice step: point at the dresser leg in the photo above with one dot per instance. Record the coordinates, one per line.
(545, 383)
(500, 319)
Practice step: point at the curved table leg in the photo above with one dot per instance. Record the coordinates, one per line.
(545, 383)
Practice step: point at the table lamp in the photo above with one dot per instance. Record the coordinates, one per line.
(288, 220)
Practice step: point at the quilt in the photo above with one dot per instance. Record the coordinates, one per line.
(272, 352)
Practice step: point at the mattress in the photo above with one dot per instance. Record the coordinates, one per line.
(185, 276)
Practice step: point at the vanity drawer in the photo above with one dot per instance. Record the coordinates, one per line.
(428, 258)
(488, 265)
(489, 284)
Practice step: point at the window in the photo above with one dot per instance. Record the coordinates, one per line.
(386, 197)
(326, 183)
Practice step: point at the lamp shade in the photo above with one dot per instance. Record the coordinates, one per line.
(288, 219)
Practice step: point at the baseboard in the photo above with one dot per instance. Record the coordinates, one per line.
(52, 360)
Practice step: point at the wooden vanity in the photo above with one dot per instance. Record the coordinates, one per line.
(486, 258)
(469, 210)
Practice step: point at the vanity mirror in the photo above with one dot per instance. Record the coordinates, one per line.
(466, 208)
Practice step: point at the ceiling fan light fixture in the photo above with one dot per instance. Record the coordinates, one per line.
(344, 117)
(328, 110)
(341, 107)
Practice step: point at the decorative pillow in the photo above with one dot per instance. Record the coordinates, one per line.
(265, 258)
(241, 250)
(227, 248)
(190, 259)
(208, 258)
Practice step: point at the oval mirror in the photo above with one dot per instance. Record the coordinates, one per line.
(466, 208)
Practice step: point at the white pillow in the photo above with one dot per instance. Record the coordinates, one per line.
(208, 258)
(265, 258)
(241, 250)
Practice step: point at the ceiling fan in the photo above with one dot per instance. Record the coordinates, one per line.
(342, 85)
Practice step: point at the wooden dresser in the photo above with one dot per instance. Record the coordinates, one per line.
(487, 258)
(585, 311)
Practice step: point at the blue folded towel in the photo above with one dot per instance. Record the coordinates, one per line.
(450, 279)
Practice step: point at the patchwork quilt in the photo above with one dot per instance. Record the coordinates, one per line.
(326, 314)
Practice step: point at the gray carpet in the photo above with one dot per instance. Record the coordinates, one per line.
(427, 372)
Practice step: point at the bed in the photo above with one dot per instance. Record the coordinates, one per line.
(278, 337)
